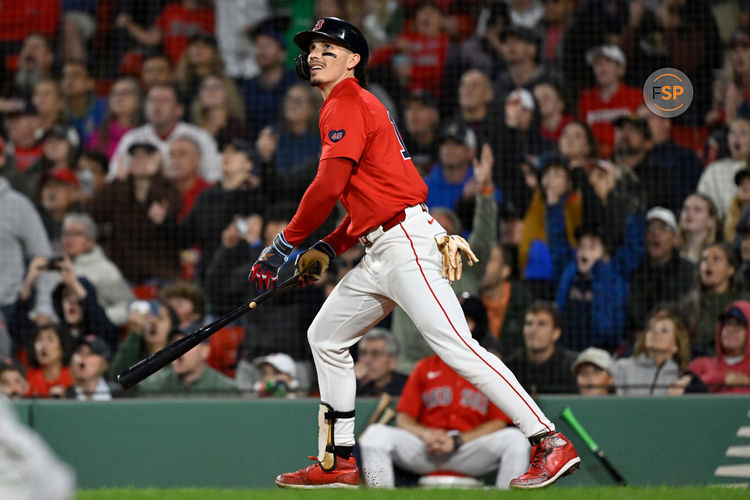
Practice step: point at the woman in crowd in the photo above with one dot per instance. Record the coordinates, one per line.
(660, 354)
(299, 139)
(49, 103)
(149, 326)
(200, 59)
(49, 353)
(552, 109)
(699, 224)
(716, 288)
(577, 143)
(219, 109)
(123, 113)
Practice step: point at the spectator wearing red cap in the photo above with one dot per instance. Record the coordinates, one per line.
(59, 146)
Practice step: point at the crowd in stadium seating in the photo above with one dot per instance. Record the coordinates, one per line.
(150, 150)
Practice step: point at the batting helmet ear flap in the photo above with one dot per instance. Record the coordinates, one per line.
(302, 66)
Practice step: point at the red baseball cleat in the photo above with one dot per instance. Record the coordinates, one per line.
(552, 457)
(345, 475)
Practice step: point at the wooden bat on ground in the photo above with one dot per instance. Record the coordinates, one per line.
(567, 415)
(159, 359)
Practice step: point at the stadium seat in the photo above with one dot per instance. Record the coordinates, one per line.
(224, 344)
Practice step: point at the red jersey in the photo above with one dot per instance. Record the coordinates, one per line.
(39, 386)
(190, 196)
(436, 396)
(178, 23)
(18, 19)
(599, 114)
(354, 125)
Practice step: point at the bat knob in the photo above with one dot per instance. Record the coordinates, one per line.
(253, 305)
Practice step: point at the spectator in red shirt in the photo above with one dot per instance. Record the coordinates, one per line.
(182, 169)
(49, 353)
(418, 56)
(176, 23)
(443, 424)
(610, 98)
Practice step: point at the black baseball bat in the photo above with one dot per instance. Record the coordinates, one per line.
(567, 414)
(150, 365)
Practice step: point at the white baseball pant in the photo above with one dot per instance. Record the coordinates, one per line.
(28, 468)
(382, 446)
(404, 267)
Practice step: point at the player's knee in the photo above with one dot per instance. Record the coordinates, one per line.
(376, 436)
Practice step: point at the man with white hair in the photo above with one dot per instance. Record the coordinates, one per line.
(610, 98)
(78, 242)
(164, 113)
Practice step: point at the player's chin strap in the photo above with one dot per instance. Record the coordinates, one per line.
(327, 416)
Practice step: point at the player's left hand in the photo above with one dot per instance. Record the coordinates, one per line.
(265, 270)
(313, 262)
(451, 246)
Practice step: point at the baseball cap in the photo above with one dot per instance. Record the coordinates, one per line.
(610, 51)
(22, 107)
(527, 100)
(663, 214)
(422, 96)
(551, 159)
(595, 356)
(741, 175)
(62, 175)
(97, 345)
(461, 134)
(146, 146)
(282, 362)
(634, 120)
(521, 32)
(732, 312)
(64, 132)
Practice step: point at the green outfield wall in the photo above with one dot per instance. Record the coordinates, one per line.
(690, 440)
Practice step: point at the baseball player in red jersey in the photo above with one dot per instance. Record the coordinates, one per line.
(409, 261)
(443, 424)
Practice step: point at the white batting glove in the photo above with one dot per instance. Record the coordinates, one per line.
(451, 247)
